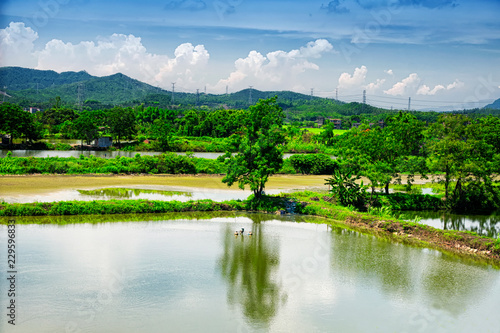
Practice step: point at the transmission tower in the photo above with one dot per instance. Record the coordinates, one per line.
(409, 103)
(173, 92)
(364, 96)
(79, 97)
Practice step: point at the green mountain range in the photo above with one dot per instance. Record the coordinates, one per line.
(36, 86)
(40, 86)
(31, 87)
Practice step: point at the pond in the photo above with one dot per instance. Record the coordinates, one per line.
(190, 273)
(100, 153)
(486, 225)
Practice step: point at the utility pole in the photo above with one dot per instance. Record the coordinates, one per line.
(173, 90)
(250, 95)
(364, 100)
(409, 102)
(197, 96)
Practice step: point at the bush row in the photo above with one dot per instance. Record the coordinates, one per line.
(405, 201)
(167, 163)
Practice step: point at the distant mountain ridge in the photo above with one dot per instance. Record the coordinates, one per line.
(19, 78)
(494, 105)
(41, 86)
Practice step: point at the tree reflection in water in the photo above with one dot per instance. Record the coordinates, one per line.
(249, 265)
(402, 272)
(485, 225)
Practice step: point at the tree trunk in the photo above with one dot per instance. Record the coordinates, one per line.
(457, 193)
(446, 182)
(386, 188)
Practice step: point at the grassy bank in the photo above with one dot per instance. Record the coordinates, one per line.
(467, 244)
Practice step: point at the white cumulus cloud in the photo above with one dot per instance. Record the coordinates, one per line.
(16, 45)
(374, 86)
(389, 71)
(404, 86)
(425, 90)
(348, 81)
(456, 84)
(118, 53)
(277, 67)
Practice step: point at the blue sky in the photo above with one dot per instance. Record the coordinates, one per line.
(439, 53)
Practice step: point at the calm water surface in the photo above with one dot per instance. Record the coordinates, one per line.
(487, 225)
(98, 153)
(156, 274)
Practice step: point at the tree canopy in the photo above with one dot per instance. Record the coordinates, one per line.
(260, 146)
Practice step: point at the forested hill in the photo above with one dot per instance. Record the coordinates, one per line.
(494, 105)
(28, 86)
(18, 78)
(31, 86)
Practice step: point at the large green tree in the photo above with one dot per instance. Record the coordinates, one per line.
(121, 122)
(163, 128)
(259, 147)
(18, 123)
(464, 153)
(88, 123)
(54, 117)
(383, 153)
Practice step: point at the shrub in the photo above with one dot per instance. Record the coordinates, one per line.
(405, 201)
(313, 164)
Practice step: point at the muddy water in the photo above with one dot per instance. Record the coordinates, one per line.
(191, 274)
(58, 188)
